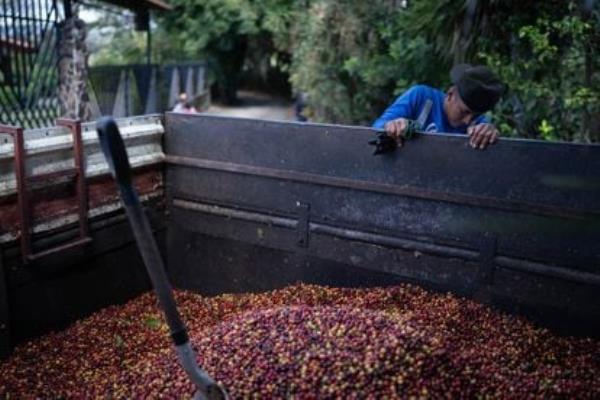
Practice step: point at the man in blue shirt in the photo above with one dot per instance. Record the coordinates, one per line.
(475, 90)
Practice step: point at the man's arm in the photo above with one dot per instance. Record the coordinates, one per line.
(395, 118)
(403, 107)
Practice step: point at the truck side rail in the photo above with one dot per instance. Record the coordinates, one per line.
(49, 151)
(275, 202)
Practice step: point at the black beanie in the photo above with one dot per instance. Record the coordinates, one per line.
(477, 86)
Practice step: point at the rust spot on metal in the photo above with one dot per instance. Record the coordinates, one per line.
(57, 201)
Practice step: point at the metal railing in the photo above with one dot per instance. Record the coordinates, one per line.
(127, 90)
(48, 152)
(29, 62)
(30, 34)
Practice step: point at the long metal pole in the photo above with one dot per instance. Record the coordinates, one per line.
(114, 151)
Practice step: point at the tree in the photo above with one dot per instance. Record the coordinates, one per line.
(112, 40)
(546, 52)
(221, 32)
(352, 58)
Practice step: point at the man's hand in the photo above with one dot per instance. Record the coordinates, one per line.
(482, 135)
(396, 129)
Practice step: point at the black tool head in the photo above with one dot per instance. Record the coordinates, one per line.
(383, 143)
(113, 148)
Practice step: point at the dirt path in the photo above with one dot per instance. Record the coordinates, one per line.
(256, 105)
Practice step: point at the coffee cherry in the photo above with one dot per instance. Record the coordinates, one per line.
(308, 341)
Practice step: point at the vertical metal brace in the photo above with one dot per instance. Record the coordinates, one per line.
(16, 133)
(82, 196)
(303, 225)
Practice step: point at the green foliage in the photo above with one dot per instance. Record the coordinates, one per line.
(554, 92)
(113, 41)
(153, 322)
(353, 57)
(127, 47)
(221, 31)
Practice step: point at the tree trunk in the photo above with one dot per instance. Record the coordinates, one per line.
(72, 67)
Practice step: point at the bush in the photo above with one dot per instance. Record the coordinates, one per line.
(353, 58)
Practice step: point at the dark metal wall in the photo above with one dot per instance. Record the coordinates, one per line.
(255, 205)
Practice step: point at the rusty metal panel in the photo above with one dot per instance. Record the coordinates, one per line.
(50, 151)
(435, 211)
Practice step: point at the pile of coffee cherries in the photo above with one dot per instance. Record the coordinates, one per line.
(307, 341)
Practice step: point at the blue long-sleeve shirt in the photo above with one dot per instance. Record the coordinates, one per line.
(410, 104)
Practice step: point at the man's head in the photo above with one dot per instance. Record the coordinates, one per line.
(475, 90)
(183, 97)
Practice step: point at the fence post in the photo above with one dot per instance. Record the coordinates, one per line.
(174, 87)
(189, 84)
(152, 95)
(127, 94)
(119, 108)
(200, 80)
